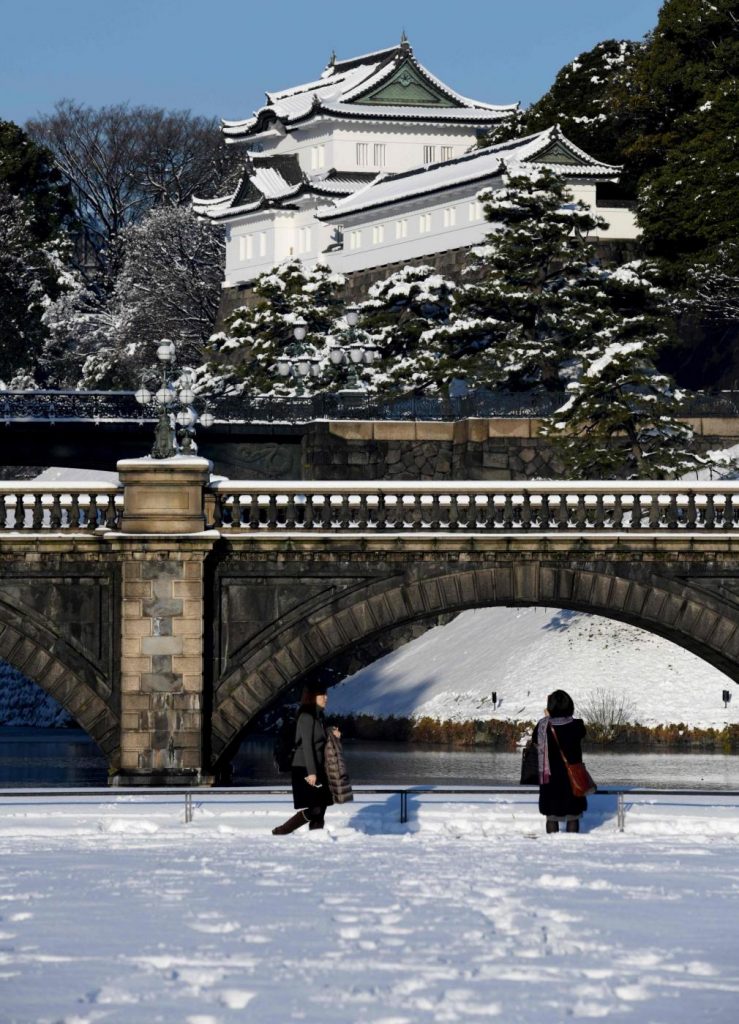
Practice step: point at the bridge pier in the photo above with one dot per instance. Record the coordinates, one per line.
(162, 549)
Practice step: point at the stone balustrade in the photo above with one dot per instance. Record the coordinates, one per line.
(475, 507)
(71, 506)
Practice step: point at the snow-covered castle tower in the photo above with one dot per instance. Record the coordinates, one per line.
(373, 165)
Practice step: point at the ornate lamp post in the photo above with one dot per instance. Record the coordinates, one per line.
(300, 365)
(354, 353)
(167, 439)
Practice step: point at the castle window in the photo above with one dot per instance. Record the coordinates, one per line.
(475, 209)
(304, 240)
(447, 152)
(429, 154)
(379, 154)
(450, 217)
(378, 234)
(401, 228)
(242, 248)
(362, 154)
(355, 239)
(249, 247)
(317, 157)
(424, 223)
(262, 243)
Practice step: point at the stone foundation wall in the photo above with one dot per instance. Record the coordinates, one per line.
(474, 449)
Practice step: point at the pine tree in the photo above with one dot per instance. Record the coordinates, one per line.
(684, 104)
(245, 353)
(397, 317)
(621, 417)
(520, 314)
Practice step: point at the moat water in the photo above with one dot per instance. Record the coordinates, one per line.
(67, 757)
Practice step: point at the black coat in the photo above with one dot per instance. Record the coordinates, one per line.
(308, 759)
(556, 798)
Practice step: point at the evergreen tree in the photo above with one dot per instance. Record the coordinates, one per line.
(27, 170)
(521, 312)
(398, 316)
(683, 102)
(621, 417)
(245, 353)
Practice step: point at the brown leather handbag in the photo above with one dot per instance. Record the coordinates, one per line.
(581, 781)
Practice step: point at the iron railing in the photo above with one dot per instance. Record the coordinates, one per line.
(473, 508)
(29, 506)
(112, 406)
(192, 799)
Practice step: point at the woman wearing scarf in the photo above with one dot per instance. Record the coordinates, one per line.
(556, 799)
(311, 790)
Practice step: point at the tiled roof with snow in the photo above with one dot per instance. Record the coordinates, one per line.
(344, 83)
(477, 166)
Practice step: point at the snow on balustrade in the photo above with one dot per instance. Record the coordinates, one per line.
(29, 506)
(623, 506)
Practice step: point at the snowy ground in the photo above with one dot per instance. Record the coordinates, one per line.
(124, 914)
(525, 653)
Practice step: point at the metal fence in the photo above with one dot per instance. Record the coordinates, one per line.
(111, 406)
(190, 800)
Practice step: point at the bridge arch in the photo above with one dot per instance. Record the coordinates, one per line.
(688, 615)
(32, 647)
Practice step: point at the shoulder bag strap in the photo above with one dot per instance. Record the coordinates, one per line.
(559, 748)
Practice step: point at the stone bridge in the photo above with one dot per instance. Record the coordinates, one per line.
(166, 613)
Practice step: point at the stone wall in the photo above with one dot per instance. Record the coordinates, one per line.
(473, 449)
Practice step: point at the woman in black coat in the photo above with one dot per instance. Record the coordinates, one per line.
(556, 799)
(311, 793)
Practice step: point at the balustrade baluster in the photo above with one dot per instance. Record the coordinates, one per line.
(38, 512)
(363, 520)
(435, 514)
(326, 513)
(581, 513)
(672, 513)
(218, 511)
(55, 516)
(728, 523)
(73, 516)
(599, 520)
(709, 514)
(655, 512)
(272, 512)
(345, 513)
(290, 512)
(526, 511)
(381, 512)
(92, 513)
(692, 516)
(3, 513)
(617, 519)
(636, 512)
(544, 512)
(111, 516)
(453, 513)
(508, 512)
(308, 513)
(255, 513)
(19, 522)
(563, 515)
(417, 513)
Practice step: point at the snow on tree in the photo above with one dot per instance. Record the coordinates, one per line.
(621, 419)
(683, 102)
(519, 313)
(397, 316)
(245, 353)
(28, 278)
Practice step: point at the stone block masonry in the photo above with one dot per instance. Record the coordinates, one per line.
(162, 658)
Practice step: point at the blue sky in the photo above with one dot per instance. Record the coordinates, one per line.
(218, 58)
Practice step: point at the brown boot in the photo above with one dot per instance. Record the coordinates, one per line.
(573, 826)
(290, 825)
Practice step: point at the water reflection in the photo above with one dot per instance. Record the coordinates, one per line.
(68, 757)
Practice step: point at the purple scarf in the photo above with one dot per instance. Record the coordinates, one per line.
(543, 747)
